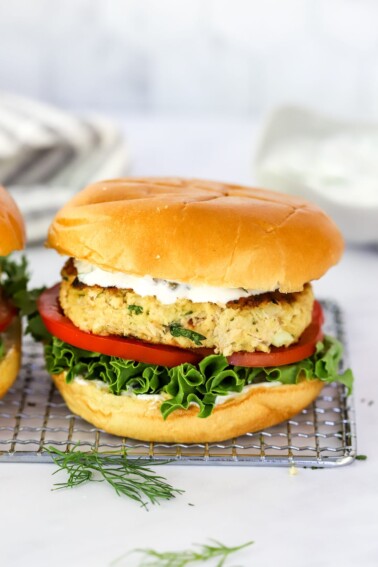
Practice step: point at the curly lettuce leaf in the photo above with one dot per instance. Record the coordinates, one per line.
(14, 281)
(186, 384)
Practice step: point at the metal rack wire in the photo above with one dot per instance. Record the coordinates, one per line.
(33, 416)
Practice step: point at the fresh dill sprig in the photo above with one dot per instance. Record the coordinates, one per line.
(202, 553)
(129, 477)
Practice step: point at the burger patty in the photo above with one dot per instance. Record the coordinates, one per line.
(255, 323)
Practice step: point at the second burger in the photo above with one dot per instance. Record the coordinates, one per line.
(13, 282)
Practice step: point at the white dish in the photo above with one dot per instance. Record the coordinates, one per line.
(329, 162)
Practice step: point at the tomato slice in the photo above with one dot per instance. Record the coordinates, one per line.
(304, 348)
(62, 327)
(7, 313)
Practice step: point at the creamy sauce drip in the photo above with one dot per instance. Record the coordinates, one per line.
(167, 292)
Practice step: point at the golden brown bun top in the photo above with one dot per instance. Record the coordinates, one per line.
(12, 229)
(198, 232)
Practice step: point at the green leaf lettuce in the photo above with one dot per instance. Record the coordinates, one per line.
(186, 384)
(14, 281)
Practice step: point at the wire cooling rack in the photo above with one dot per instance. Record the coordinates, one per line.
(33, 416)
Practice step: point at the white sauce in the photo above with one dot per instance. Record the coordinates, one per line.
(166, 292)
(222, 399)
(155, 398)
(98, 383)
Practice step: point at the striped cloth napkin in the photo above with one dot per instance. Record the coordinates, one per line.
(47, 154)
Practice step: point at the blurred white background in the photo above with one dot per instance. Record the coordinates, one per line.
(190, 83)
(220, 57)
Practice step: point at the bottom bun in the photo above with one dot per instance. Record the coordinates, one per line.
(252, 410)
(10, 364)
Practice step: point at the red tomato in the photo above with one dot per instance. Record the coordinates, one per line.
(304, 348)
(7, 312)
(61, 327)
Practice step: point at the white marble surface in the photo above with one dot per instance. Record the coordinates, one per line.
(316, 518)
(240, 57)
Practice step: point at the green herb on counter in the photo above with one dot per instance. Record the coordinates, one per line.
(201, 554)
(129, 477)
(361, 457)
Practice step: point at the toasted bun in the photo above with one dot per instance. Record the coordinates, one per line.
(137, 418)
(10, 364)
(198, 232)
(12, 229)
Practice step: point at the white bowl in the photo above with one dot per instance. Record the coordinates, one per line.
(329, 162)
